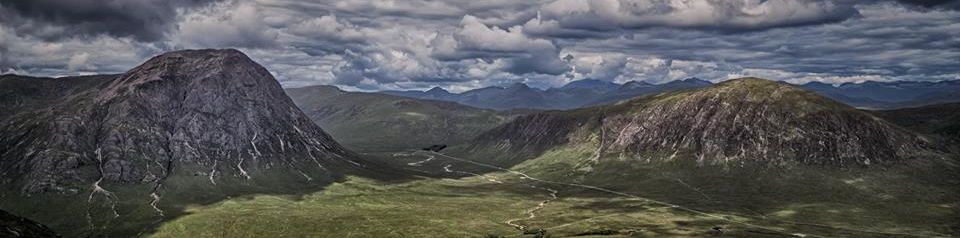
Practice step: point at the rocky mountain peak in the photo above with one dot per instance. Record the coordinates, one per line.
(192, 111)
(193, 68)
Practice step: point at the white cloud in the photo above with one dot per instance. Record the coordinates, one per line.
(226, 24)
(80, 62)
(474, 35)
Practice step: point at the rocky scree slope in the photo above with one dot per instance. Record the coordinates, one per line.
(747, 120)
(215, 112)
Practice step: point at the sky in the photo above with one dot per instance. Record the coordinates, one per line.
(370, 45)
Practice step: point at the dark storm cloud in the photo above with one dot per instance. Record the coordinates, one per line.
(943, 4)
(146, 20)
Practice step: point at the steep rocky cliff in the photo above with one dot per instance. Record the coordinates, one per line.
(746, 120)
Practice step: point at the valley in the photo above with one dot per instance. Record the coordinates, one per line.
(502, 202)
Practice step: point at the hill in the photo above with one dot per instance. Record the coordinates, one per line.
(185, 127)
(743, 119)
(380, 122)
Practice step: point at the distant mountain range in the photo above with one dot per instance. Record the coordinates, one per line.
(889, 95)
(592, 92)
(577, 94)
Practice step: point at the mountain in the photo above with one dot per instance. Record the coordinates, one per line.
(184, 127)
(380, 122)
(888, 95)
(744, 120)
(15, 226)
(576, 94)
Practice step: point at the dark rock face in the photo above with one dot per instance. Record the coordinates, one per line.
(211, 109)
(739, 121)
(15, 226)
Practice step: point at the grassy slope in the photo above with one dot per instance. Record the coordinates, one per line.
(379, 122)
(919, 199)
(67, 213)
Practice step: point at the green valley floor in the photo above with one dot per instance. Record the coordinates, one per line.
(453, 200)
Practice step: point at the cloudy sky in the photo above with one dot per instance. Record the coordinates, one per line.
(465, 44)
